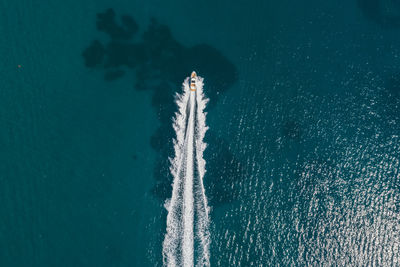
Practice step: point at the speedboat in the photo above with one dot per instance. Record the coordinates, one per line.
(193, 78)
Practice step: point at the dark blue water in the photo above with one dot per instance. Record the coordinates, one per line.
(304, 149)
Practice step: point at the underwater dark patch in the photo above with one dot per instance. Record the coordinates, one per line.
(225, 170)
(391, 95)
(292, 130)
(386, 13)
(107, 24)
(393, 85)
(158, 62)
(94, 54)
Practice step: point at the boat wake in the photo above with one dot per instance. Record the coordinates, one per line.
(187, 238)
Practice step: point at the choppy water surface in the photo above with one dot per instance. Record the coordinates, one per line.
(322, 182)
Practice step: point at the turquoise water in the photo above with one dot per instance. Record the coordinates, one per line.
(303, 155)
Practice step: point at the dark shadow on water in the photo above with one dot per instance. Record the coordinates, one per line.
(107, 24)
(386, 13)
(225, 169)
(393, 86)
(159, 63)
(392, 96)
(292, 129)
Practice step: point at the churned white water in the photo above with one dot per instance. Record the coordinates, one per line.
(186, 241)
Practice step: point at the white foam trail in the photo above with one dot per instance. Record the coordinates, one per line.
(188, 194)
(188, 213)
(173, 205)
(202, 205)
